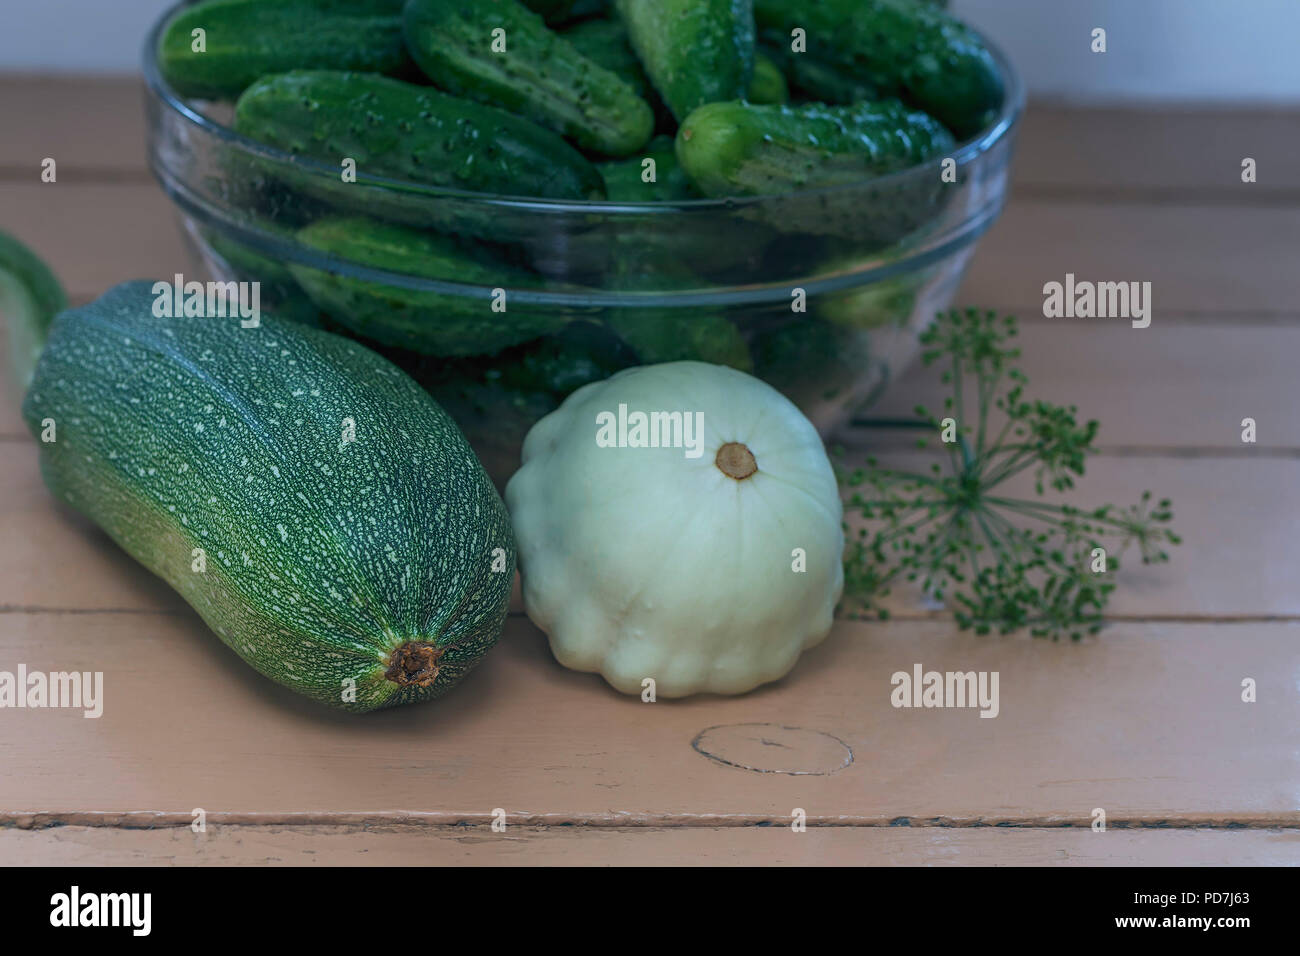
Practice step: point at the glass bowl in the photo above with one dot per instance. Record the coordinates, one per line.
(822, 293)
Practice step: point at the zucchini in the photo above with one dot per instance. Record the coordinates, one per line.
(402, 131)
(363, 568)
(738, 149)
(898, 48)
(694, 51)
(538, 75)
(30, 297)
(247, 39)
(431, 323)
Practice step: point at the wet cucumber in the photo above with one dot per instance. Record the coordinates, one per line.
(812, 78)
(604, 40)
(694, 51)
(501, 53)
(738, 149)
(432, 323)
(244, 40)
(399, 130)
(768, 84)
(320, 512)
(627, 179)
(899, 48)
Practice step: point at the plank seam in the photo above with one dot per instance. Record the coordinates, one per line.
(160, 819)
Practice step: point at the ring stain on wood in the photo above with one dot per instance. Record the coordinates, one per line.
(773, 748)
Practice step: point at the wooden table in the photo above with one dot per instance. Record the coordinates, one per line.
(1145, 721)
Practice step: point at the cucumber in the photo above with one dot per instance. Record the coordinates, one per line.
(247, 39)
(899, 48)
(738, 149)
(694, 51)
(539, 75)
(402, 131)
(280, 292)
(431, 323)
(768, 85)
(812, 78)
(363, 568)
(674, 334)
(625, 180)
(30, 297)
(604, 40)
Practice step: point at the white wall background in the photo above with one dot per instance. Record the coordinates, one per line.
(1174, 50)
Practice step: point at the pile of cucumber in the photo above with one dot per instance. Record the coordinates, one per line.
(571, 100)
(556, 100)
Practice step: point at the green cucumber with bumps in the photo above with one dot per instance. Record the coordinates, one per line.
(793, 155)
(628, 180)
(812, 78)
(321, 513)
(428, 322)
(768, 84)
(901, 48)
(739, 149)
(694, 51)
(403, 131)
(501, 53)
(244, 40)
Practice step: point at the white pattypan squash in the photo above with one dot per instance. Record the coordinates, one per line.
(679, 522)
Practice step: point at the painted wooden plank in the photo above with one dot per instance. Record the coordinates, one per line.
(324, 845)
(1179, 385)
(95, 236)
(90, 125)
(1238, 556)
(1146, 723)
(1200, 259)
(1155, 153)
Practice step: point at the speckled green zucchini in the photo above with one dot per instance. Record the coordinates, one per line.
(738, 149)
(244, 40)
(694, 51)
(433, 323)
(323, 515)
(30, 297)
(399, 130)
(500, 52)
(899, 48)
